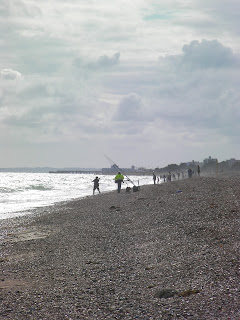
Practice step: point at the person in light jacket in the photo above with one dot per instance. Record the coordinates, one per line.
(119, 180)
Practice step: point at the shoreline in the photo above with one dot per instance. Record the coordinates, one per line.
(51, 195)
(169, 251)
(38, 210)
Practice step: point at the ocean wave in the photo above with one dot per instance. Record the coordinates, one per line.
(8, 190)
(39, 187)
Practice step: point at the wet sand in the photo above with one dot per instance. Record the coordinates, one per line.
(170, 251)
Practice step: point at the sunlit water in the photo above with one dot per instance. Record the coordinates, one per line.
(21, 192)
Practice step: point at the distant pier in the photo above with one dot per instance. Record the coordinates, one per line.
(76, 171)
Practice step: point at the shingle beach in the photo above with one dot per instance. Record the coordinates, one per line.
(169, 251)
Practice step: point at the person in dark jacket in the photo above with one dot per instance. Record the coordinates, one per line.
(198, 170)
(154, 178)
(96, 184)
(190, 173)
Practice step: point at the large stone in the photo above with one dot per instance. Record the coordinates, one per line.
(166, 293)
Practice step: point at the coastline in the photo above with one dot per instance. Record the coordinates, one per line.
(21, 194)
(117, 256)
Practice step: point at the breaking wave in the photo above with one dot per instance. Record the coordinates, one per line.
(7, 190)
(39, 187)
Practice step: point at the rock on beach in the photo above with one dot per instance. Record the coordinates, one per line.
(169, 251)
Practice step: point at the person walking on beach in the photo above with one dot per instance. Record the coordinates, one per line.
(119, 180)
(96, 184)
(190, 173)
(198, 170)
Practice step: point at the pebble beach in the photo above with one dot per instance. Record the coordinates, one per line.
(169, 251)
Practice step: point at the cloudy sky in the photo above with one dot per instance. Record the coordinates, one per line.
(147, 82)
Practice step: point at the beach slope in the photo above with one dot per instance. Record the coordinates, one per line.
(170, 251)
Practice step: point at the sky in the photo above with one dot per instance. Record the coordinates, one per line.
(146, 82)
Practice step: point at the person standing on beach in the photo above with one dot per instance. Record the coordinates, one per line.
(154, 178)
(119, 180)
(169, 177)
(96, 184)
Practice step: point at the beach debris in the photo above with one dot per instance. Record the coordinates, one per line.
(149, 268)
(92, 262)
(115, 208)
(188, 293)
(212, 205)
(169, 293)
(166, 293)
(136, 188)
(150, 286)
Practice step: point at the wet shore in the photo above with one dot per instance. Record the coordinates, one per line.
(170, 251)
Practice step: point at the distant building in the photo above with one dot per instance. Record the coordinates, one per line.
(192, 164)
(114, 168)
(210, 160)
(231, 162)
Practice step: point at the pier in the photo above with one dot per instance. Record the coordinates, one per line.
(76, 171)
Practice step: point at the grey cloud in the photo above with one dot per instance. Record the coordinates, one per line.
(207, 54)
(130, 108)
(198, 89)
(103, 62)
(224, 14)
(210, 102)
(42, 55)
(4, 7)
(106, 61)
(19, 8)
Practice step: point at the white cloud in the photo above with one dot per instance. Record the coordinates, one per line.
(9, 74)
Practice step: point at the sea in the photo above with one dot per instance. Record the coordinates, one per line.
(22, 193)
